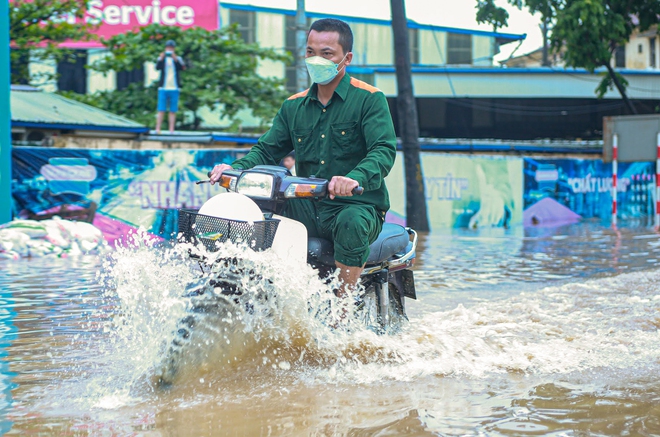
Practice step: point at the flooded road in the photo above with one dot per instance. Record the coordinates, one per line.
(516, 332)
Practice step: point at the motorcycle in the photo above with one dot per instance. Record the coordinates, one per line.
(252, 215)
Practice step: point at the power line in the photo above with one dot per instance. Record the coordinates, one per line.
(535, 111)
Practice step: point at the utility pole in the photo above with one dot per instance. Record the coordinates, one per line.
(5, 117)
(416, 215)
(301, 46)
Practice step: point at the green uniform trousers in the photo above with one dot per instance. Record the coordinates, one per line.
(352, 228)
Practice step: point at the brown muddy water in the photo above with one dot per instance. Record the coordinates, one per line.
(515, 333)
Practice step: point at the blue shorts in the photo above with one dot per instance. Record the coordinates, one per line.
(168, 100)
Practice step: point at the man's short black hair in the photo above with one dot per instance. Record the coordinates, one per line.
(334, 25)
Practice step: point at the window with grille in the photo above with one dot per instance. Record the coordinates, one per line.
(290, 46)
(459, 48)
(125, 78)
(19, 66)
(246, 24)
(72, 74)
(652, 53)
(413, 43)
(620, 57)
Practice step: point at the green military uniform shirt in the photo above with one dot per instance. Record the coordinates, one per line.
(352, 136)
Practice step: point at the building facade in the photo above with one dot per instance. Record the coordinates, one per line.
(275, 28)
(639, 53)
(460, 92)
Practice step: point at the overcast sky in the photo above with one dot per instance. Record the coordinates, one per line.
(450, 13)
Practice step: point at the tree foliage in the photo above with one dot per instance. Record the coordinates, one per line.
(588, 31)
(37, 27)
(221, 74)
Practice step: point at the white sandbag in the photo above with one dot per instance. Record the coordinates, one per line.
(35, 249)
(88, 246)
(6, 245)
(89, 234)
(55, 236)
(79, 232)
(74, 250)
(12, 240)
(40, 248)
(66, 227)
(33, 228)
(9, 255)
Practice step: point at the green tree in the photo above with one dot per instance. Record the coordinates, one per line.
(221, 74)
(588, 31)
(37, 27)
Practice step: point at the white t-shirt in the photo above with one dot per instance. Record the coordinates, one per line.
(170, 74)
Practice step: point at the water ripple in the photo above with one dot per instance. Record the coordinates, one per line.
(541, 331)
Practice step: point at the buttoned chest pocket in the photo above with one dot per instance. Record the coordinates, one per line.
(346, 137)
(302, 144)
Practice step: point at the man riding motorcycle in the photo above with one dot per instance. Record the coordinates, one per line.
(341, 130)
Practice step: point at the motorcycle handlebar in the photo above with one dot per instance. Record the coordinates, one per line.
(357, 191)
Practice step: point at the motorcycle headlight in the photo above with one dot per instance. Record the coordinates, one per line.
(256, 185)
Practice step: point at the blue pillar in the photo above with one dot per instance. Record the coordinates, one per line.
(5, 117)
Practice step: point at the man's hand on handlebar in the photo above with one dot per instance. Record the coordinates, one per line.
(216, 173)
(341, 186)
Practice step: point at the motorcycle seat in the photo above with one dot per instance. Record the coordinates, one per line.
(392, 239)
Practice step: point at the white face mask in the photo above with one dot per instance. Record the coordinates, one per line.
(322, 70)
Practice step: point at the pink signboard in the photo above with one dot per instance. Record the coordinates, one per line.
(120, 16)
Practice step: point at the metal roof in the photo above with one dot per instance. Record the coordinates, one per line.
(31, 107)
(490, 82)
(502, 38)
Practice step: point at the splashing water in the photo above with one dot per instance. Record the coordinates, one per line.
(600, 324)
(286, 319)
(282, 316)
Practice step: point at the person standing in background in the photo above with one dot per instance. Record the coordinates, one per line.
(170, 66)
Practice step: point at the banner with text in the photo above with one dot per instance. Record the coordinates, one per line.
(115, 17)
(128, 189)
(463, 191)
(565, 190)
